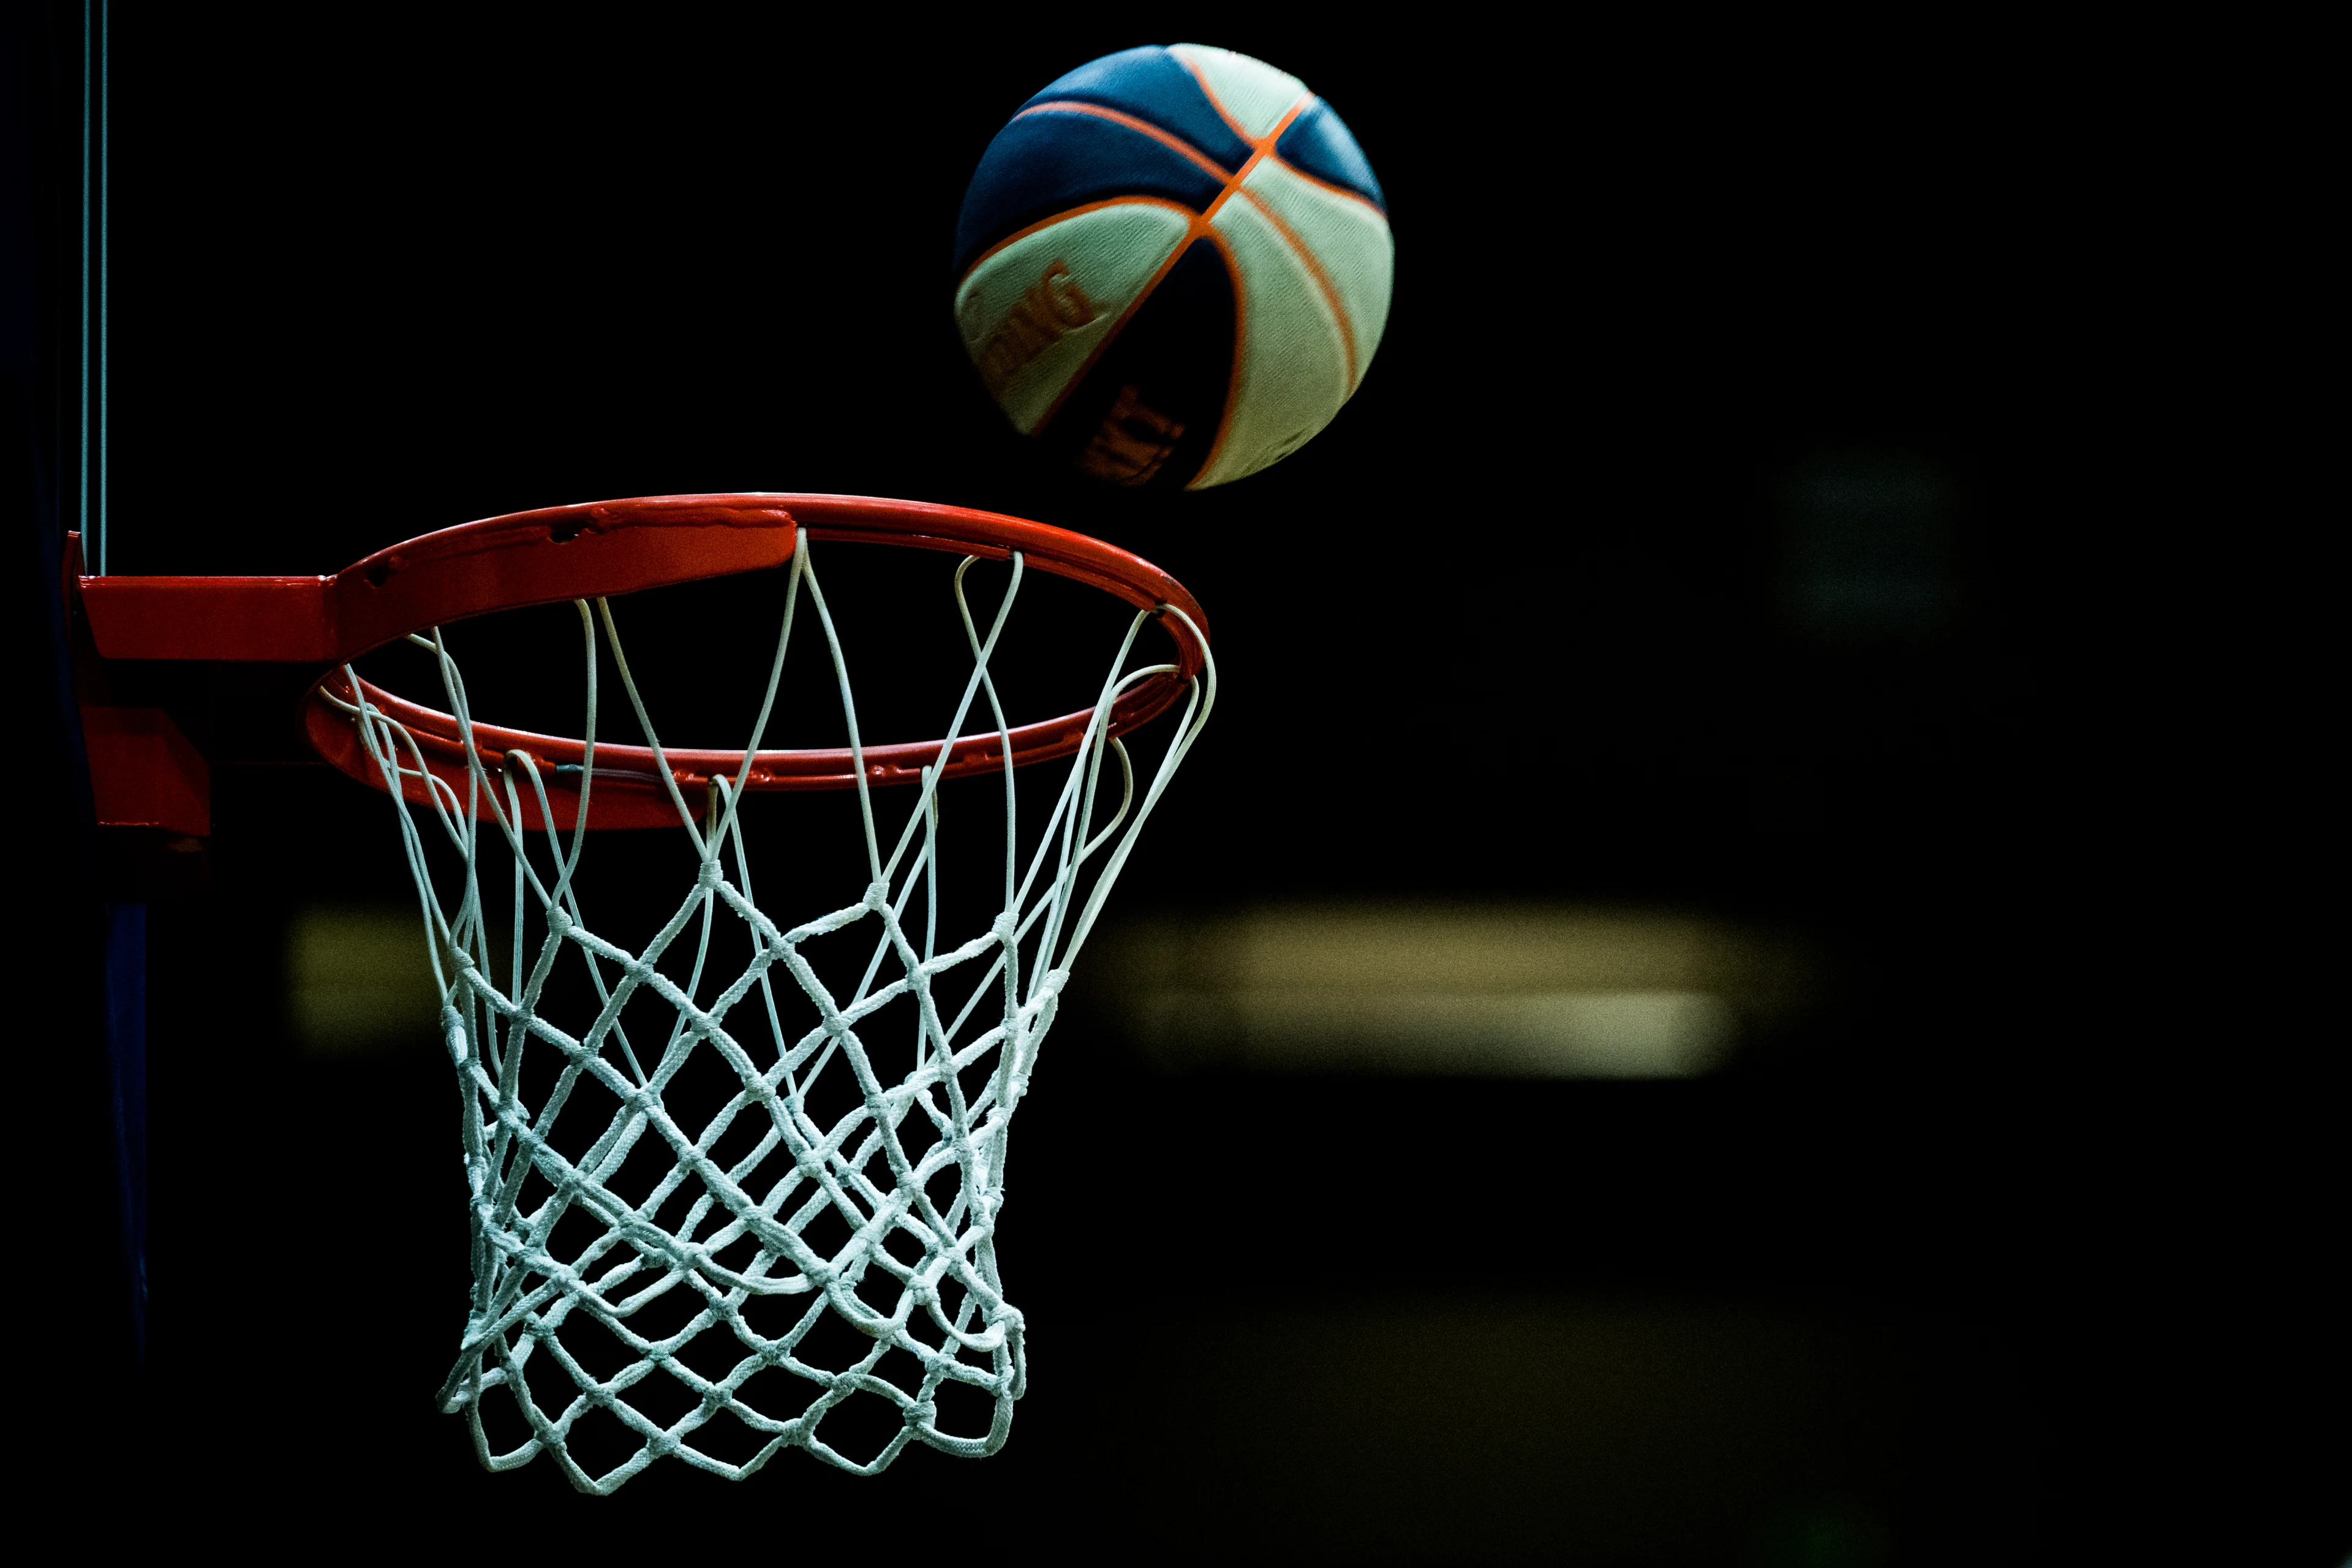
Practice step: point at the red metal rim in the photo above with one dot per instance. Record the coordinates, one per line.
(627, 787)
(605, 548)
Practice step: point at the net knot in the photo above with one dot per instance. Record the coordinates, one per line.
(1005, 929)
(878, 895)
(922, 1413)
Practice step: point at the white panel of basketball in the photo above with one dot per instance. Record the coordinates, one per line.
(1293, 374)
(1034, 312)
(1348, 236)
(1253, 93)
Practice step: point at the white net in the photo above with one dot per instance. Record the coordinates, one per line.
(732, 1194)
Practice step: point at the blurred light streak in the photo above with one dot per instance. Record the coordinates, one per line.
(1470, 990)
(357, 979)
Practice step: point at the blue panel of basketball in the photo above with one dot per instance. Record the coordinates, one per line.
(1151, 84)
(1173, 267)
(1049, 162)
(1317, 143)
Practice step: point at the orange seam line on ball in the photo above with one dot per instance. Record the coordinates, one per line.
(1260, 149)
(1067, 212)
(1297, 245)
(1263, 149)
(1234, 376)
(1193, 231)
(1266, 145)
(1356, 196)
(1215, 102)
(1314, 270)
(1166, 138)
(1197, 228)
(1204, 226)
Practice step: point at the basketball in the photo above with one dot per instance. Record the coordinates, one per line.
(1173, 267)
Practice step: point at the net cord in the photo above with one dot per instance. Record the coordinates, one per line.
(525, 1295)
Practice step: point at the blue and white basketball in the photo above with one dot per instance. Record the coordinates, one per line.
(1173, 267)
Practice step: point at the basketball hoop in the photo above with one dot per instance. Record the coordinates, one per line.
(656, 1269)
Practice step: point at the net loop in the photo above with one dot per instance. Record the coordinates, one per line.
(693, 1162)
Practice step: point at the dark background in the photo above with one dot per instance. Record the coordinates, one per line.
(1540, 615)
